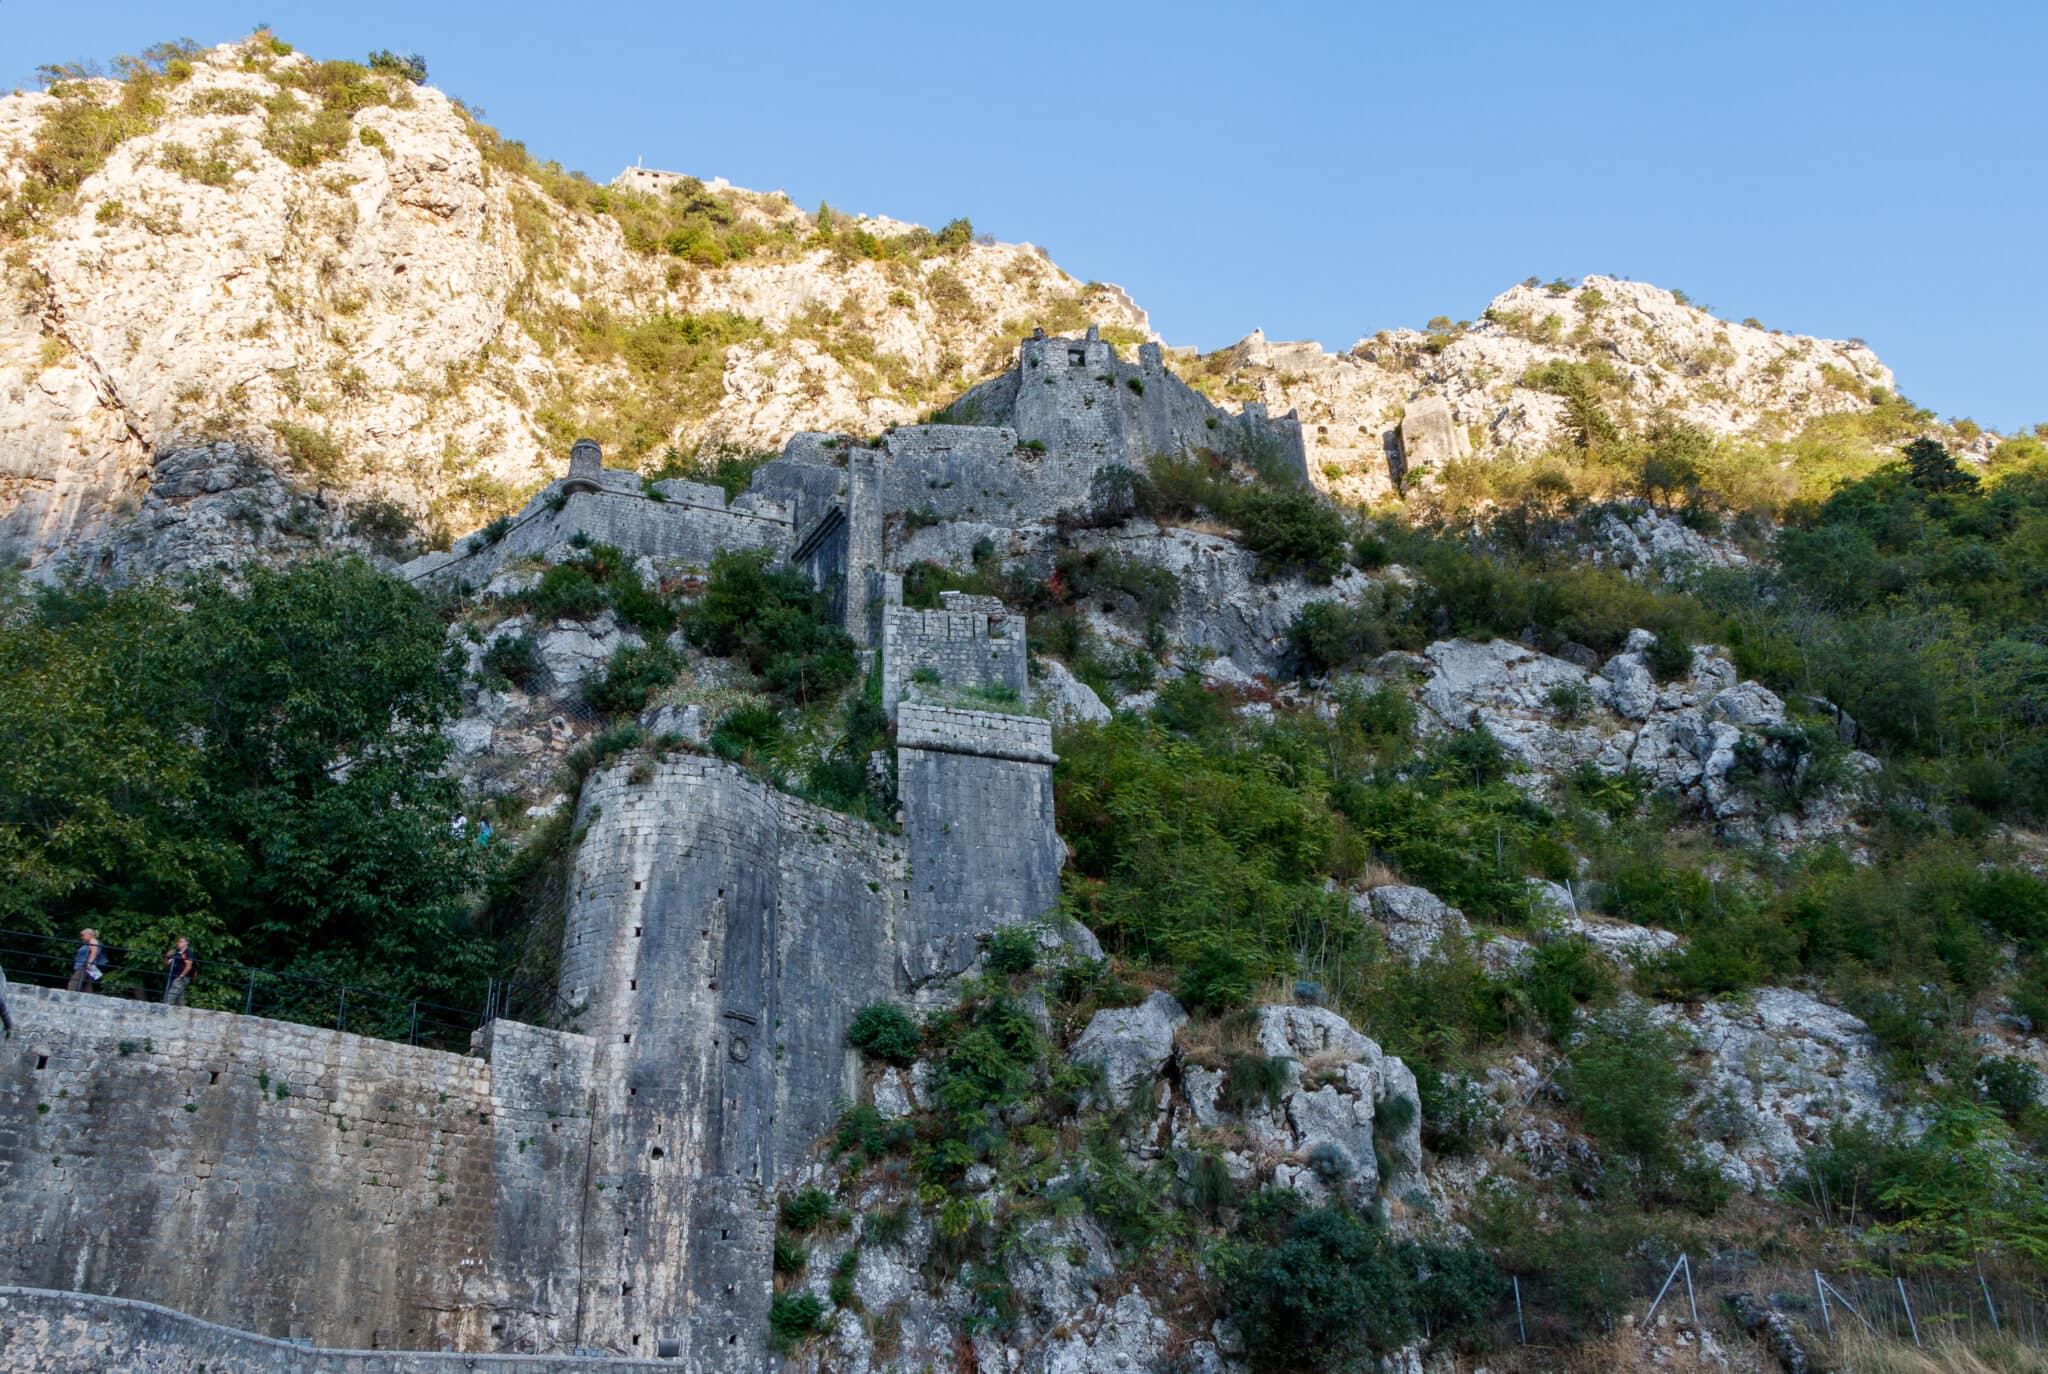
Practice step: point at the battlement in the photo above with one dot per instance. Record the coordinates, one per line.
(672, 521)
(970, 642)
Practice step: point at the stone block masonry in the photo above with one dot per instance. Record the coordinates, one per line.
(977, 807)
(44, 1332)
(969, 642)
(720, 937)
(297, 1181)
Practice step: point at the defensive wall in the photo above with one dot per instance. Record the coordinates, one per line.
(609, 1186)
(48, 1332)
(672, 521)
(969, 642)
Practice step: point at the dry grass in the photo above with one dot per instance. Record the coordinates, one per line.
(1868, 1355)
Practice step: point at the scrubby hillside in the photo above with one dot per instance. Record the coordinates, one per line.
(242, 260)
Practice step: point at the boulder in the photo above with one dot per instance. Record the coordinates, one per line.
(1068, 700)
(1416, 922)
(1129, 1045)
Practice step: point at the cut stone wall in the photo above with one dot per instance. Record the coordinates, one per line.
(45, 1332)
(688, 529)
(977, 806)
(966, 642)
(297, 1181)
(720, 936)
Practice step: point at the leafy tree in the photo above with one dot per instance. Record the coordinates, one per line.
(776, 622)
(260, 770)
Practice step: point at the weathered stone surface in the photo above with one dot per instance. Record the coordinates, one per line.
(1129, 1045)
(1068, 700)
(1780, 1068)
(79, 1333)
(1416, 922)
(1430, 438)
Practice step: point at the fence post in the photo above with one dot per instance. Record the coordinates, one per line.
(1651, 1315)
(1690, 1300)
(341, 1010)
(249, 1000)
(1996, 1330)
(1907, 1303)
(1821, 1290)
(412, 1036)
(1521, 1331)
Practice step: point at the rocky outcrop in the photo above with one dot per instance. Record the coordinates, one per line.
(1722, 744)
(1777, 1070)
(377, 322)
(1471, 384)
(1128, 1046)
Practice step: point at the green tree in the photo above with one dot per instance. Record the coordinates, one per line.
(1934, 468)
(260, 770)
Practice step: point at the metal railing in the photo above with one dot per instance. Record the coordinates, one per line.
(222, 985)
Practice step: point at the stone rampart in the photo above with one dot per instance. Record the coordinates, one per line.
(46, 1332)
(298, 1181)
(965, 646)
(720, 936)
(977, 806)
(688, 528)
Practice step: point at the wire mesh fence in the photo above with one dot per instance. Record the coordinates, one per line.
(1926, 1308)
(219, 985)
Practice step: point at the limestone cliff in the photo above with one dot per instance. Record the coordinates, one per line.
(396, 304)
(1418, 399)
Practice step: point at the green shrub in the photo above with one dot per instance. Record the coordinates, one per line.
(1254, 1082)
(866, 1133)
(514, 659)
(774, 621)
(887, 1032)
(1216, 981)
(791, 1256)
(807, 1209)
(747, 733)
(1292, 529)
(793, 1319)
(1325, 1291)
(1329, 635)
(1012, 950)
(635, 673)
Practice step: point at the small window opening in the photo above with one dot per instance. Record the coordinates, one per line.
(655, 1152)
(1077, 357)
(43, 1062)
(211, 1078)
(629, 1037)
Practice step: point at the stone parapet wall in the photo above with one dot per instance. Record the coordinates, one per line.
(934, 728)
(967, 644)
(300, 1181)
(689, 529)
(47, 1332)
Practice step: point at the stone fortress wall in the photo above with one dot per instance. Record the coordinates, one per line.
(605, 1187)
(970, 641)
(608, 1186)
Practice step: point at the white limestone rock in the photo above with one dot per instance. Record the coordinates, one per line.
(1068, 700)
(1129, 1045)
(575, 650)
(1779, 1069)
(892, 1098)
(1415, 920)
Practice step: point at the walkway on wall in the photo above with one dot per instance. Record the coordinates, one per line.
(219, 985)
(54, 1332)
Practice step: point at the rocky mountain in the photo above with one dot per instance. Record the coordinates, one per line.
(1008, 847)
(251, 299)
(274, 268)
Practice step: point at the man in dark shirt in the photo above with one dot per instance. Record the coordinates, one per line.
(178, 966)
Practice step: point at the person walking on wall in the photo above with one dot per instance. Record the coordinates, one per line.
(178, 966)
(89, 964)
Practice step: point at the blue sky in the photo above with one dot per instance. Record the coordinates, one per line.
(1320, 171)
